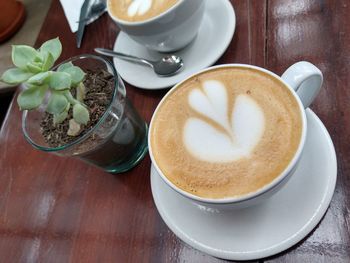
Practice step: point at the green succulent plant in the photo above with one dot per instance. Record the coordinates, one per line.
(33, 70)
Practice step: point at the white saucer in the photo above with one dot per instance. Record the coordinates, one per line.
(214, 36)
(266, 229)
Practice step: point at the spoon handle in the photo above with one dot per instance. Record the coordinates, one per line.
(130, 58)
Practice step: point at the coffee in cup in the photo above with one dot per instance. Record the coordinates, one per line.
(139, 10)
(160, 25)
(226, 132)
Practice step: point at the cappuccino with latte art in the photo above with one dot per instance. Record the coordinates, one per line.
(139, 10)
(226, 132)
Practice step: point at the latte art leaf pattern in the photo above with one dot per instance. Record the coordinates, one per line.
(242, 126)
(139, 7)
(226, 132)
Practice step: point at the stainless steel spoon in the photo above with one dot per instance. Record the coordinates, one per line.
(97, 8)
(166, 66)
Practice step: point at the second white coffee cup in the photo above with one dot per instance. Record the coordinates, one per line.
(169, 31)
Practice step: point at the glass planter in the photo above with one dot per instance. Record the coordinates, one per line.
(116, 143)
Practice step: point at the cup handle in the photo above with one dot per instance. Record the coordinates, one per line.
(306, 79)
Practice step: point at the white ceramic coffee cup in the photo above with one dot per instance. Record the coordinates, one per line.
(170, 31)
(304, 80)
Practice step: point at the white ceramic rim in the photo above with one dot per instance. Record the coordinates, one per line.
(260, 191)
(144, 22)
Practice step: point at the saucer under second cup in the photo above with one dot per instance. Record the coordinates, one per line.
(268, 228)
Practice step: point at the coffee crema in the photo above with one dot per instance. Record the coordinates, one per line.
(139, 10)
(226, 132)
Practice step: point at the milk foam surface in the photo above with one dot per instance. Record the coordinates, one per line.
(241, 133)
(139, 10)
(139, 7)
(226, 132)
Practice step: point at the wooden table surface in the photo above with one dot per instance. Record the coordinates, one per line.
(56, 209)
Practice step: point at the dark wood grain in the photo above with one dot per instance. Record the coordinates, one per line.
(56, 209)
(319, 32)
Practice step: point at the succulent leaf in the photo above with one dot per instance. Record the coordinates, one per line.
(48, 61)
(31, 98)
(70, 97)
(60, 81)
(39, 78)
(15, 76)
(80, 114)
(62, 67)
(53, 46)
(34, 67)
(76, 74)
(38, 58)
(57, 103)
(58, 118)
(22, 55)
